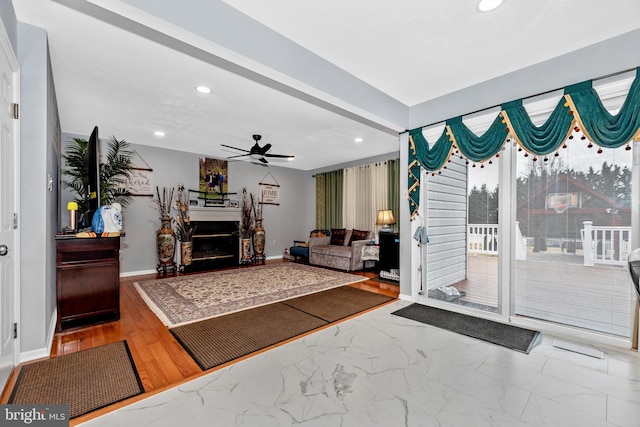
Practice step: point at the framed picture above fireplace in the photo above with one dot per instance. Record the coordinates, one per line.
(213, 178)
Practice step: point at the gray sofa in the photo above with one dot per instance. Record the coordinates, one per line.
(347, 257)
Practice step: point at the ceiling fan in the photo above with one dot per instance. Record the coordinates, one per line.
(258, 153)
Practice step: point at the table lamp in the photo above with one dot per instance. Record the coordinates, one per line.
(72, 207)
(385, 218)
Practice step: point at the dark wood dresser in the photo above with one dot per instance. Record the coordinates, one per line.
(88, 281)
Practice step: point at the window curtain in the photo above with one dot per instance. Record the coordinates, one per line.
(365, 192)
(329, 196)
(580, 107)
(393, 191)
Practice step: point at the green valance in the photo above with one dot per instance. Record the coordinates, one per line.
(477, 148)
(540, 140)
(597, 124)
(579, 106)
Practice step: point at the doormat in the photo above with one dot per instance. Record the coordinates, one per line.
(222, 339)
(508, 336)
(86, 380)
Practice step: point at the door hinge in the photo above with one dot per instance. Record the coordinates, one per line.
(15, 330)
(16, 110)
(15, 221)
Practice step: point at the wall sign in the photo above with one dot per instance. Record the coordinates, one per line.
(269, 193)
(140, 182)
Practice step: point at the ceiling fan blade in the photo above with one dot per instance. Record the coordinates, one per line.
(239, 155)
(235, 148)
(263, 160)
(281, 156)
(266, 148)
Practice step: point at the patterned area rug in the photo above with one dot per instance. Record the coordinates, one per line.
(86, 380)
(185, 299)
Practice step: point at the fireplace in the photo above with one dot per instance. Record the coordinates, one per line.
(215, 239)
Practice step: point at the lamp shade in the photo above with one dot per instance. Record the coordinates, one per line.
(385, 217)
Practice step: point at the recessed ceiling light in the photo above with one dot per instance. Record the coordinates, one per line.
(489, 5)
(358, 140)
(203, 89)
(158, 133)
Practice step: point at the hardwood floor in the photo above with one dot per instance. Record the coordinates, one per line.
(161, 362)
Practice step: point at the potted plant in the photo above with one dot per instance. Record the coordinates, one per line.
(114, 172)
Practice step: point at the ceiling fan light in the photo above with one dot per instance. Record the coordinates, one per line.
(489, 5)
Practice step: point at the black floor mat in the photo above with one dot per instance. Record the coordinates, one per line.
(508, 336)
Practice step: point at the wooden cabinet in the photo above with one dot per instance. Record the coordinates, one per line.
(88, 281)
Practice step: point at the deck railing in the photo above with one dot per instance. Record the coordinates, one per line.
(482, 238)
(605, 244)
(600, 244)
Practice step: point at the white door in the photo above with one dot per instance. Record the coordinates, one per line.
(9, 233)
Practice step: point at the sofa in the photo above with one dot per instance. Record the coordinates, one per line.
(341, 250)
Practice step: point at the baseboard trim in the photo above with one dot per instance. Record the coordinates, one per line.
(137, 273)
(45, 351)
(141, 272)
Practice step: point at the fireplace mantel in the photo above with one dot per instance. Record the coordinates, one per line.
(214, 214)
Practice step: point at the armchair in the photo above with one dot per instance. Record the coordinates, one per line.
(301, 248)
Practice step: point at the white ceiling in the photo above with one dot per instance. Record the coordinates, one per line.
(310, 76)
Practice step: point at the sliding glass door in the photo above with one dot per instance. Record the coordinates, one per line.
(574, 215)
(462, 256)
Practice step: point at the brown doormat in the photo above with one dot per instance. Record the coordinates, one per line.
(86, 380)
(222, 339)
(338, 303)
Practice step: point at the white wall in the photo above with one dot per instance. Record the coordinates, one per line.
(40, 130)
(284, 223)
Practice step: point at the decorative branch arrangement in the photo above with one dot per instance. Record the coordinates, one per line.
(257, 211)
(164, 203)
(245, 228)
(183, 227)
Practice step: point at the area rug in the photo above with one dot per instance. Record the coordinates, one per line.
(222, 339)
(86, 380)
(508, 336)
(181, 300)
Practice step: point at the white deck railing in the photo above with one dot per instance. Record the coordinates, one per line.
(482, 238)
(605, 244)
(601, 244)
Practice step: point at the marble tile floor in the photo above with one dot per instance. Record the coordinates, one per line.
(382, 370)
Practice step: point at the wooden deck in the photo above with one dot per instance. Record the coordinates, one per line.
(556, 288)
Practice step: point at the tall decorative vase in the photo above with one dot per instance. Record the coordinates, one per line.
(258, 241)
(166, 240)
(186, 254)
(245, 247)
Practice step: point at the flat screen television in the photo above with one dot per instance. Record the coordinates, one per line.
(93, 178)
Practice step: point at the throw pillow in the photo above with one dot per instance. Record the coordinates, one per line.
(358, 235)
(319, 233)
(337, 236)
